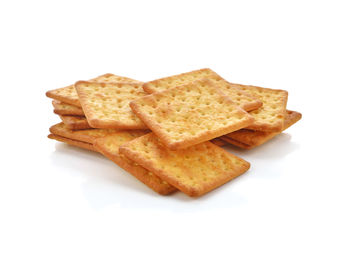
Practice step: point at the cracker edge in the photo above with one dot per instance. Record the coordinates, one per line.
(75, 125)
(69, 141)
(51, 94)
(58, 111)
(218, 141)
(81, 138)
(236, 143)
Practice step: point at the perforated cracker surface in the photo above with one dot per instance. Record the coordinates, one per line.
(109, 146)
(75, 122)
(69, 95)
(270, 116)
(106, 105)
(190, 114)
(67, 109)
(88, 135)
(194, 170)
(250, 138)
(241, 98)
(72, 142)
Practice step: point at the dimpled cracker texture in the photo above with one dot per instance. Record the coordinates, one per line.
(241, 98)
(69, 95)
(270, 116)
(72, 142)
(248, 139)
(66, 109)
(109, 147)
(88, 135)
(75, 122)
(195, 170)
(106, 105)
(190, 114)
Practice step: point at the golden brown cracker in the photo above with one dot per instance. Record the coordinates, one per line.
(190, 114)
(66, 109)
(109, 147)
(195, 170)
(106, 105)
(241, 98)
(75, 122)
(269, 117)
(72, 142)
(69, 95)
(248, 139)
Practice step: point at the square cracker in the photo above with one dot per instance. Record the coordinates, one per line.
(241, 98)
(195, 170)
(106, 105)
(72, 142)
(248, 139)
(109, 147)
(88, 135)
(190, 114)
(270, 116)
(75, 122)
(66, 109)
(69, 95)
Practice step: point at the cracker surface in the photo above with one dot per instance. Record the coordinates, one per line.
(190, 114)
(241, 98)
(109, 147)
(270, 116)
(195, 170)
(106, 105)
(69, 95)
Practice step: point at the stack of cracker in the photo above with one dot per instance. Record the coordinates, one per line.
(168, 132)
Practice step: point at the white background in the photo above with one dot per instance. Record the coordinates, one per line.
(63, 205)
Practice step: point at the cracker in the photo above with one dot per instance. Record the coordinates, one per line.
(106, 105)
(109, 147)
(270, 116)
(248, 139)
(190, 114)
(236, 143)
(195, 170)
(66, 109)
(218, 142)
(75, 122)
(72, 142)
(69, 95)
(88, 135)
(241, 98)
